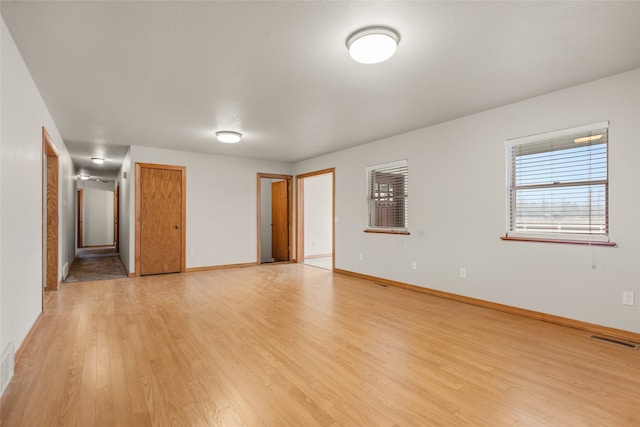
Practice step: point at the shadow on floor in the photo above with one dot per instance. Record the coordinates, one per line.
(95, 264)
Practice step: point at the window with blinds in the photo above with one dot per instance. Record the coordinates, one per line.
(558, 185)
(387, 186)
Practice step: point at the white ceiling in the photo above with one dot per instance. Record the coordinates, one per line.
(169, 74)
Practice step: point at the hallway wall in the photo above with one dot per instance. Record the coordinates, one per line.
(221, 204)
(23, 113)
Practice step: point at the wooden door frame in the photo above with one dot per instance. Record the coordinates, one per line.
(50, 214)
(80, 216)
(116, 218)
(183, 249)
(289, 179)
(300, 213)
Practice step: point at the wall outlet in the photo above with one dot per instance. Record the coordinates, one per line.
(628, 298)
(414, 265)
(463, 273)
(192, 253)
(361, 257)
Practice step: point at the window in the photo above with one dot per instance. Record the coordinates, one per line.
(558, 185)
(387, 197)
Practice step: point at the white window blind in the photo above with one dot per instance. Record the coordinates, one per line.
(558, 185)
(387, 197)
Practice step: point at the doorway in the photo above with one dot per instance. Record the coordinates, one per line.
(315, 230)
(49, 214)
(96, 214)
(160, 219)
(274, 218)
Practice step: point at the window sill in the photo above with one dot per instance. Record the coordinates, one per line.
(386, 231)
(566, 242)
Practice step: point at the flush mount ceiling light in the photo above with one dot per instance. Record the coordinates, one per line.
(84, 176)
(228, 137)
(373, 44)
(97, 160)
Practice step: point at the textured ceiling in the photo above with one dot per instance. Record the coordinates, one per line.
(169, 74)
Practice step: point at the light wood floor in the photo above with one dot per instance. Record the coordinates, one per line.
(293, 345)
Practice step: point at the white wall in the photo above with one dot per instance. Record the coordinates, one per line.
(98, 213)
(221, 204)
(318, 215)
(457, 209)
(125, 237)
(23, 114)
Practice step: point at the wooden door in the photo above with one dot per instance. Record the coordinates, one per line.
(160, 220)
(279, 221)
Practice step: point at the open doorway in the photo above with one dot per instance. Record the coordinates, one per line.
(315, 224)
(97, 255)
(274, 218)
(96, 216)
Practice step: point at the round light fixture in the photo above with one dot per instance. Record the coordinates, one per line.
(97, 160)
(228, 137)
(84, 176)
(373, 44)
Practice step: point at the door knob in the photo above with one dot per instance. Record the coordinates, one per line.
(177, 226)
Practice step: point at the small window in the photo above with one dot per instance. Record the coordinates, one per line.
(558, 185)
(387, 187)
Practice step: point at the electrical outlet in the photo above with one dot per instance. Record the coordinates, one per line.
(361, 257)
(192, 253)
(628, 298)
(414, 265)
(463, 273)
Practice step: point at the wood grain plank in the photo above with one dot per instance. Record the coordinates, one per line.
(294, 345)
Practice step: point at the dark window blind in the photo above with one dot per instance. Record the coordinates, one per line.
(387, 195)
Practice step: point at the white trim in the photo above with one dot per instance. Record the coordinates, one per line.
(556, 134)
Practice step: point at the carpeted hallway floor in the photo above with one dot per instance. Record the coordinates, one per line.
(95, 264)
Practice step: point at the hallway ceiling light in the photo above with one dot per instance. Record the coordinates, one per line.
(84, 176)
(228, 136)
(97, 160)
(372, 45)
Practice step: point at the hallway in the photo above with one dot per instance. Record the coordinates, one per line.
(101, 263)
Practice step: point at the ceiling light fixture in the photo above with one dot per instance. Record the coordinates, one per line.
(228, 137)
(588, 138)
(372, 45)
(97, 160)
(84, 176)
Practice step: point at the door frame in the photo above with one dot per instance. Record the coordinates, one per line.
(50, 214)
(116, 218)
(289, 179)
(80, 214)
(300, 213)
(183, 249)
